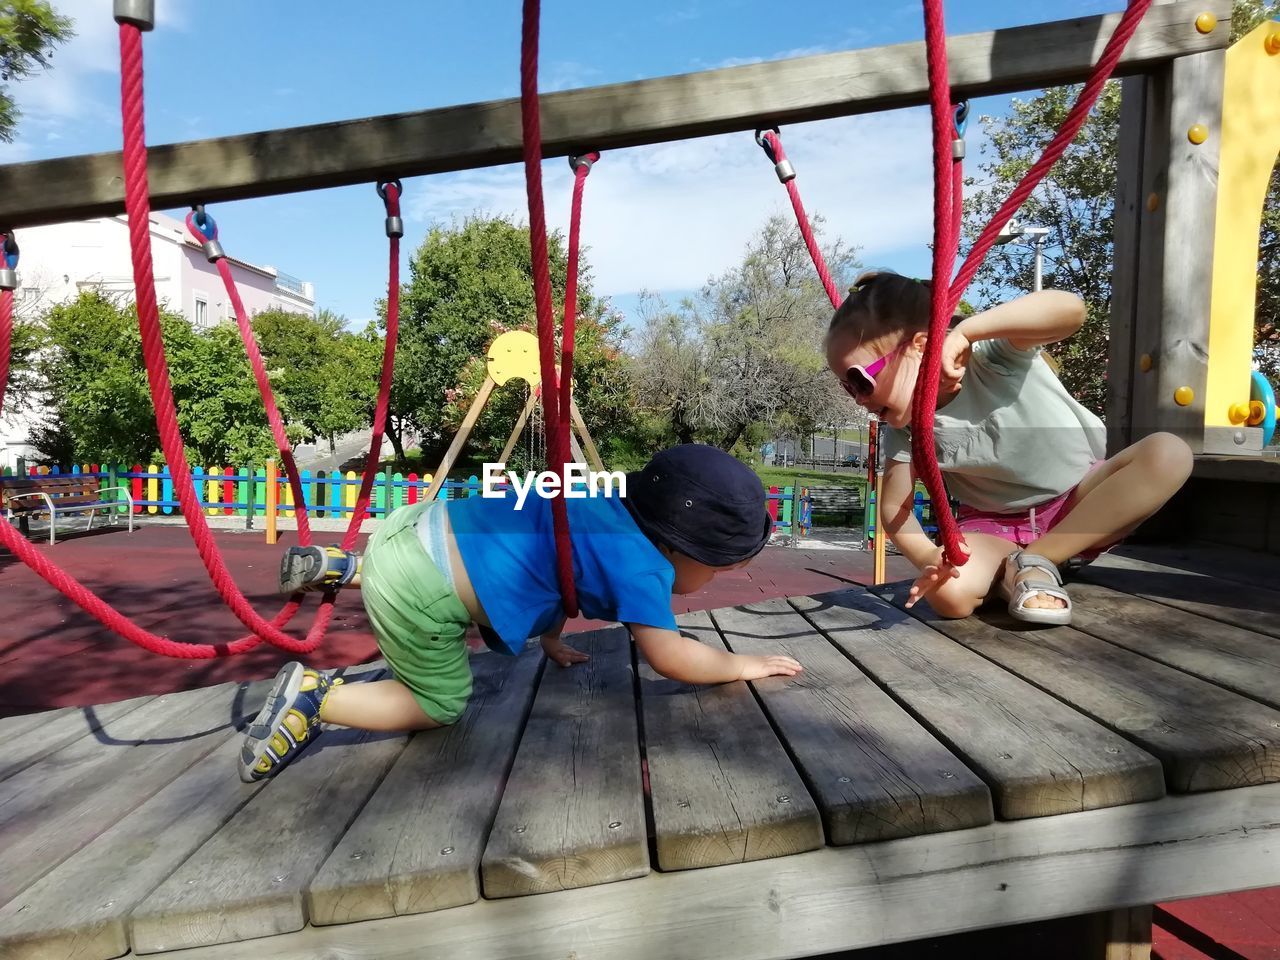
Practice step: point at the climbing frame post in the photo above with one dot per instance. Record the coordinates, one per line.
(1165, 208)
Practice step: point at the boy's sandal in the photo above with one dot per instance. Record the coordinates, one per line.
(1018, 592)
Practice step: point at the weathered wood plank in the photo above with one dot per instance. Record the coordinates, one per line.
(26, 739)
(1206, 737)
(54, 807)
(1229, 656)
(79, 910)
(603, 118)
(1226, 563)
(1038, 756)
(416, 845)
(1251, 607)
(874, 771)
(722, 787)
(572, 814)
(248, 880)
(852, 897)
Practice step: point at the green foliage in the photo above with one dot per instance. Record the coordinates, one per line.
(746, 355)
(29, 30)
(91, 373)
(325, 377)
(469, 282)
(1076, 201)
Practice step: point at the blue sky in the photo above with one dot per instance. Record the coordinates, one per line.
(662, 218)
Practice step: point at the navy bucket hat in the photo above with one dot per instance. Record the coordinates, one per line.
(702, 502)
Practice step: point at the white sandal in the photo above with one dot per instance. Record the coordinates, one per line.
(1018, 592)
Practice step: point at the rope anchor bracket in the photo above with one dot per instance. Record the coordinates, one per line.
(767, 137)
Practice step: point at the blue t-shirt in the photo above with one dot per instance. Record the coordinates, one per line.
(510, 557)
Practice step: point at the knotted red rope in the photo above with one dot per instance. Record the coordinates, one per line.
(558, 434)
(946, 236)
(771, 142)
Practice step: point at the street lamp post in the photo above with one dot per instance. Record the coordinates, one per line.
(1013, 232)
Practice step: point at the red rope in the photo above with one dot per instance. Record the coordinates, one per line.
(772, 143)
(138, 207)
(6, 337)
(581, 170)
(946, 236)
(264, 388)
(558, 436)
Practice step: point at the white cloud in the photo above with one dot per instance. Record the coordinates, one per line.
(668, 216)
(72, 88)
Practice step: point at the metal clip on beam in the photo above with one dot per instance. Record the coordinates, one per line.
(140, 13)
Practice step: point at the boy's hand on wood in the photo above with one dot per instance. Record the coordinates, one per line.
(561, 652)
(757, 668)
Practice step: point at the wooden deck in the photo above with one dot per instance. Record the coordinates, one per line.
(922, 777)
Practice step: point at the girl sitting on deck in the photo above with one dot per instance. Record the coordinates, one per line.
(1025, 460)
(432, 569)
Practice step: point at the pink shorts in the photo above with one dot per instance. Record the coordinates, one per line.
(1026, 526)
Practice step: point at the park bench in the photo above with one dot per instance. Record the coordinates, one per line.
(846, 501)
(24, 497)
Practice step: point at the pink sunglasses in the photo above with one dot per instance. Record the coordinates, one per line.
(860, 382)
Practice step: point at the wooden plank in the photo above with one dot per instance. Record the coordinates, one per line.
(721, 785)
(1130, 201)
(1229, 656)
(572, 814)
(58, 805)
(79, 910)
(416, 845)
(27, 738)
(608, 117)
(875, 773)
(1206, 737)
(1038, 756)
(1227, 563)
(852, 897)
(248, 880)
(1250, 607)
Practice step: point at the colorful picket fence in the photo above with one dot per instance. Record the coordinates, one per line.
(231, 491)
(923, 510)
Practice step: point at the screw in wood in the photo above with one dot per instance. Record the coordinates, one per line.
(357, 855)
(844, 779)
(682, 803)
(948, 775)
(445, 851)
(614, 825)
(1006, 756)
(280, 879)
(784, 799)
(520, 829)
(1113, 749)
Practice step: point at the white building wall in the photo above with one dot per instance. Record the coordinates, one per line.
(60, 261)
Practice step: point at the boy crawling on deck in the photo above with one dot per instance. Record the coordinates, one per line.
(432, 569)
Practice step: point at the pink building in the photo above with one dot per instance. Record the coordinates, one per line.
(60, 261)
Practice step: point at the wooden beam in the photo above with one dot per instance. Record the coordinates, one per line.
(846, 898)
(603, 118)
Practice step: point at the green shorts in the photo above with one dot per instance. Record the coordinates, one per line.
(417, 618)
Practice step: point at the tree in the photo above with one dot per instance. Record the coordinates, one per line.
(469, 282)
(746, 353)
(1077, 202)
(91, 374)
(29, 30)
(323, 375)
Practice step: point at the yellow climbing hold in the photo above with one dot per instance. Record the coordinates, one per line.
(1239, 413)
(1153, 202)
(514, 356)
(1198, 133)
(1183, 396)
(1272, 44)
(1206, 22)
(1144, 364)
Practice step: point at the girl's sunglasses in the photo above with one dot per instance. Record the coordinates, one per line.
(860, 382)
